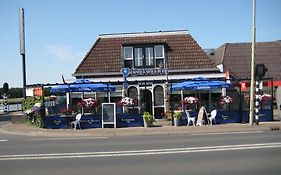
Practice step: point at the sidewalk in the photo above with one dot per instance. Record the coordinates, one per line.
(162, 128)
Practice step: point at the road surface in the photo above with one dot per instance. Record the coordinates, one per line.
(254, 152)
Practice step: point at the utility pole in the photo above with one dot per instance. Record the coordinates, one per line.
(22, 48)
(251, 115)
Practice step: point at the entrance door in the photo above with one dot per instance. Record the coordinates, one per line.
(146, 101)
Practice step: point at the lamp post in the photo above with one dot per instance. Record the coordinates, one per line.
(251, 115)
(22, 48)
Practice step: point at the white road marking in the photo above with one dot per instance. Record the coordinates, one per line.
(3, 140)
(139, 152)
(66, 138)
(225, 133)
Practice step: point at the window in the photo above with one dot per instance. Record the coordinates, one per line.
(158, 96)
(149, 61)
(159, 55)
(128, 57)
(144, 56)
(159, 51)
(138, 57)
(133, 92)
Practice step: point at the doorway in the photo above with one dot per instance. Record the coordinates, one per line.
(146, 100)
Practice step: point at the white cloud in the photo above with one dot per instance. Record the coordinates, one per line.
(63, 52)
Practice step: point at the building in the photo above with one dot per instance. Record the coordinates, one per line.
(154, 59)
(237, 58)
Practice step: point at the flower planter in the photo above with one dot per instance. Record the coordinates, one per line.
(176, 121)
(147, 119)
(177, 116)
(146, 123)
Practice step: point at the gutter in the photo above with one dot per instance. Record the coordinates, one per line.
(183, 71)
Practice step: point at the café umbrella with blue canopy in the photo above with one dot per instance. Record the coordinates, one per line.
(200, 83)
(83, 85)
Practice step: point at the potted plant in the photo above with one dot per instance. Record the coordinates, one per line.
(147, 119)
(127, 102)
(177, 116)
(225, 100)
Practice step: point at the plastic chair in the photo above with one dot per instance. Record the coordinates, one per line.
(213, 117)
(76, 121)
(189, 118)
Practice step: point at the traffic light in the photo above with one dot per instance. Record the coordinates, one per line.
(260, 71)
(6, 87)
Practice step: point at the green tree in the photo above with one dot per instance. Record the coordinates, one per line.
(12, 92)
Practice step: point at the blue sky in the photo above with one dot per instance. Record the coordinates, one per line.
(60, 32)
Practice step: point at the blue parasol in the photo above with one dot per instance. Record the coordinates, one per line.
(83, 85)
(200, 83)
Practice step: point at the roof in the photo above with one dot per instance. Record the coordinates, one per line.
(237, 56)
(105, 56)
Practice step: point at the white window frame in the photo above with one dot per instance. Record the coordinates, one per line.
(163, 52)
(139, 58)
(149, 57)
(163, 55)
(124, 48)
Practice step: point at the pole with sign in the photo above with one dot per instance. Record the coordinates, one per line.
(22, 48)
(125, 73)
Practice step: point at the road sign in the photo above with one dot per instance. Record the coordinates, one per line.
(125, 72)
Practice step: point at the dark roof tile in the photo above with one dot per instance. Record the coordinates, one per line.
(237, 56)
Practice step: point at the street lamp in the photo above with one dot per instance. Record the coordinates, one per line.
(251, 115)
(22, 48)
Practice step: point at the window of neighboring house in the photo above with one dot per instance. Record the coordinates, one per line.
(159, 56)
(128, 57)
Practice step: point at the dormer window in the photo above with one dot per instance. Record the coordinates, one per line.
(159, 55)
(144, 56)
(128, 57)
(138, 53)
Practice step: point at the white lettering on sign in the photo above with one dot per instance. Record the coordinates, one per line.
(149, 71)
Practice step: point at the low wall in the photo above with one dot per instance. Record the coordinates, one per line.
(92, 121)
(232, 117)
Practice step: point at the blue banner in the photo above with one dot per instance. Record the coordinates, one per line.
(228, 117)
(91, 121)
(265, 115)
(129, 120)
(56, 122)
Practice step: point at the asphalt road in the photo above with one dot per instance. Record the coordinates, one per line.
(218, 153)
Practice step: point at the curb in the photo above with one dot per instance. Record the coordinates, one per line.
(25, 130)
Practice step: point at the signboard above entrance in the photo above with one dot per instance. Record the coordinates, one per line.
(149, 71)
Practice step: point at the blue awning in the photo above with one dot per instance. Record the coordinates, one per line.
(200, 83)
(83, 85)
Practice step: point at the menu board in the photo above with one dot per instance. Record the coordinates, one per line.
(108, 114)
